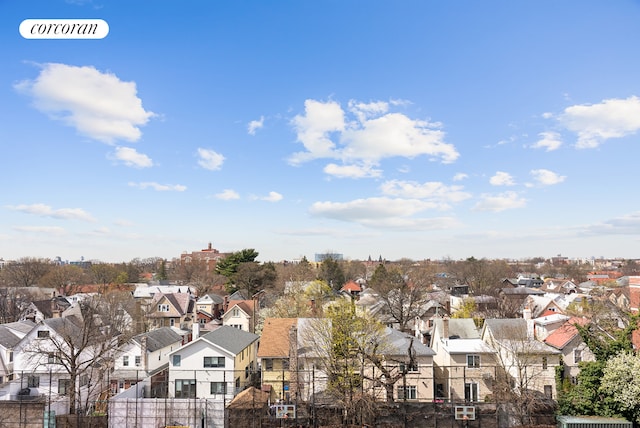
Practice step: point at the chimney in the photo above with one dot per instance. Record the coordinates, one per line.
(196, 330)
(209, 247)
(293, 360)
(445, 328)
(526, 313)
(144, 358)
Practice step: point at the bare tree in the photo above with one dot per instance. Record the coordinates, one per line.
(404, 291)
(526, 368)
(83, 344)
(66, 279)
(25, 272)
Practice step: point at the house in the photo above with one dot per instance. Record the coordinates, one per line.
(42, 362)
(528, 363)
(172, 310)
(10, 336)
(351, 289)
(464, 365)
(217, 364)
(274, 355)
(211, 303)
(409, 361)
(547, 323)
(240, 314)
(574, 350)
(39, 310)
(145, 355)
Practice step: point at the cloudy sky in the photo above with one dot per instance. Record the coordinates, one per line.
(416, 128)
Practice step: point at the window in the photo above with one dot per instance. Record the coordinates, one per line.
(52, 358)
(202, 321)
(471, 392)
(439, 390)
(163, 308)
(43, 334)
(285, 364)
(63, 386)
(213, 362)
(176, 360)
(411, 367)
(246, 372)
(125, 360)
(268, 364)
(238, 326)
(138, 360)
(409, 392)
(235, 312)
(185, 388)
(33, 381)
(577, 355)
(84, 380)
(172, 322)
(218, 388)
(545, 363)
(10, 356)
(473, 361)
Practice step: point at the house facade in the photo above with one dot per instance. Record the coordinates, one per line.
(217, 364)
(464, 365)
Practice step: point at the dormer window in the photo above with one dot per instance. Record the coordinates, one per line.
(43, 334)
(163, 308)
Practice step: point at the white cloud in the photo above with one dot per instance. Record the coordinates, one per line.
(209, 159)
(625, 225)
(502, 179)
(159, 187)
(254, 125)
(43, 210)
(373, 134)
(352, 171)
(314, 127)
(98, 105)
(430, 190)
(501, 202)
(46, 230)
(596, 123)
(227, 195)
(131, 157)
(549, 141)
(546, 177)
(271, 197)
(123, 222)
(394, 213)
(460, 176)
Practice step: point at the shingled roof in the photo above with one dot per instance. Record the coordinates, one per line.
(275, 337)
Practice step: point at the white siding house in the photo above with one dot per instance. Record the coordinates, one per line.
(218, 364)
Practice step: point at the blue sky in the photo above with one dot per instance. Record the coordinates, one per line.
(414, 128)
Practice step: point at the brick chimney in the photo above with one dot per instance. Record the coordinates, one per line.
(144, 357)
(293, 359)
(445, 328)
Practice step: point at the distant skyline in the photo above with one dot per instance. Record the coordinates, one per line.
(414, 129)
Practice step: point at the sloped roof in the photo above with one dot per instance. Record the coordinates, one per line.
(245, 305)
(565, 333)
(399, 344)
(8, 338)
(275, 337)
(351, 287)
(250, 398)
(464, 328)
(22, 328)
(158, 338)
(229, 338)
